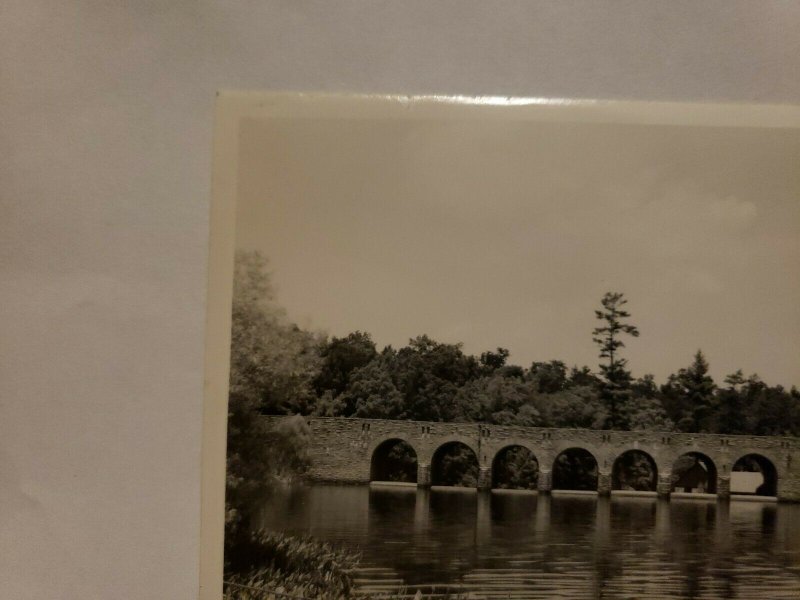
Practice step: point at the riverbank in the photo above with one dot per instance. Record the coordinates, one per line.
(276, 566)
(269, 564)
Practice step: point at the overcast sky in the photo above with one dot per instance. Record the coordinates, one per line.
(501, 233)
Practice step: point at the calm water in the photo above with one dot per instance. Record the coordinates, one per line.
(518, 545)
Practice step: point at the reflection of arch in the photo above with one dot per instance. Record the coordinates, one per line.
(634, 470)
(575, 469)
(454, 463)
(755, 463)
(515, 467)
(694, 472)
(393, 459)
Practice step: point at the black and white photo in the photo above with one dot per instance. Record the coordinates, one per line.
(506, 348)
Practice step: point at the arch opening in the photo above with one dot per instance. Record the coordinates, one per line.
(694, 472)
(394, 460)
(634, 470)
(754, 475)
(575, 469)
(454, 464)
(515, 468)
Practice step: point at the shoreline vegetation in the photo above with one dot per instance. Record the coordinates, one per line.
(268, 564)
(277, 368)
(277, 566)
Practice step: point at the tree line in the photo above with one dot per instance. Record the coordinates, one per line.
(280, 368)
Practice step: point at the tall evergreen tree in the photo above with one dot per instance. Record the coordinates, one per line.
(730, 416)
(615, 385)
(690, 395)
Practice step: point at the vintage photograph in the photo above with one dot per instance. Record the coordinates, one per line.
(506, 348)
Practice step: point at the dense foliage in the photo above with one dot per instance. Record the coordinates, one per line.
(516, 468)
(274, 561)
(273, 364)
(279, 368)
(455, 465)
(276, 566)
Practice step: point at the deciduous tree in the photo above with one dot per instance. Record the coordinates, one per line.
(272, 366)
(428, 374)
(340, 357)
(372, 393)
(550, 377)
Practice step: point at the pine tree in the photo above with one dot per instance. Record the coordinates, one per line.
(693, 398)
(731, 403)
(615, 385)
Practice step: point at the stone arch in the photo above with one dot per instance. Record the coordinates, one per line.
(515, 466)
(561, 446)
(490, 448)
(393, 458)
(575, 468)
(427, 452)
(634, 469)
(694, 471)
(455, 463)
(755, 462)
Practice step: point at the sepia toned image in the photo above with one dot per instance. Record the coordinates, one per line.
(503, 348)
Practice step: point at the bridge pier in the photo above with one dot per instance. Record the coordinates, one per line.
(423, 476)
(485, 478)
(789, 490)
(664, 485)
(723, 487)
(603, 483)
(544, 485)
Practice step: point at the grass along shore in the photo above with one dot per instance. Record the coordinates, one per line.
(275, 566)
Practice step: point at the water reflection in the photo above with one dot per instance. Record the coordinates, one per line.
(518, 544)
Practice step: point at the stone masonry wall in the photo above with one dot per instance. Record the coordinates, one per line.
(342, 448)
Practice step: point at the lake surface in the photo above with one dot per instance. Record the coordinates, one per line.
(520, 545)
